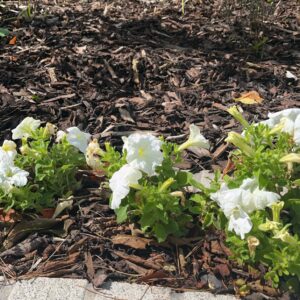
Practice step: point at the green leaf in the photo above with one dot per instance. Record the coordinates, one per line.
(4, 32)
(160, 232)
(121, 214)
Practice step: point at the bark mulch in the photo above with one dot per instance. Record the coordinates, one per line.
(114, 67)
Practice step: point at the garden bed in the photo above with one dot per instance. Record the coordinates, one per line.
(112, 68)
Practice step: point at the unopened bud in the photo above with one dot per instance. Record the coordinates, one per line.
(238, 116)
(50, 128)
(253, 242)
(24, 149)
(240, 142)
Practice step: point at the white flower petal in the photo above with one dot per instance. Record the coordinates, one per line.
(11, 175)
(120, 183)
(227, 199)
(60, 135)
(25, 128)
(196, 139)
(143, 152)
(290, 118)
(10, 148)
(239, 202)
(78, 138)
(240, 223)
(6, 159)
(19, 176)
(263, 199)
(297, 130)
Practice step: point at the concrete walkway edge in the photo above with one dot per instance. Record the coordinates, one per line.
(79, 289)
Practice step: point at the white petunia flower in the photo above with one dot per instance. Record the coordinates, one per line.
(9, 147)
(92, 155)
(257, 199)
(239, 202)
(25, 128)
(60, 135)
(240, 223)
(143, 152)
(289, 119)
(78, 138)
(10, 175)
(120, 183)
(196, 139)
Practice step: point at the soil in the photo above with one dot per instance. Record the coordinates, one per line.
(114, 67)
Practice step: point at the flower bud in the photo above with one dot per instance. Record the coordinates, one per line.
(285, 236)
(276, 209)
(253, 242)
(240, 142)
(166, 184)
(269, 226)
(180, 195)
(50, 129)
(238, 116)
(291, 158)
(92, 155)
(24, 149)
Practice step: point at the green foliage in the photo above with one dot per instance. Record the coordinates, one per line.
(52, 168)
(3, 32)
(264, 163)
(275, 230)
(112, 160)
(158, 204)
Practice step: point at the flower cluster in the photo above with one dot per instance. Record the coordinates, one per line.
(10, 175)
(39, 163)
(238, 203)
(143, 155)
(265, 170)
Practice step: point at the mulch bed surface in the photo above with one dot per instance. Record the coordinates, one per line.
(114, 67)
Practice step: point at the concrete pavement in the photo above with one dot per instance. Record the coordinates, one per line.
(79, 289)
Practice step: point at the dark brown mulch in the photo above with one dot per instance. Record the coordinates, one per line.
(113, 67)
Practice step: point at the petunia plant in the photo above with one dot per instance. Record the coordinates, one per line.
(43, 168)
(146, 188)
(260, 199)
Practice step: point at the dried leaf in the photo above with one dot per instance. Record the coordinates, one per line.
(251, 97)
(9, 216)
(90, 270)
(13, 41)
(138, 260)
(223, 270)
(154, 276)
(125, 115)
(229, 167)
(61, 206)
(131, 241)
(55, 265)
(136, 268)
(99, 278)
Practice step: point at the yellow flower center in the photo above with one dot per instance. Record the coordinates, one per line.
(141, 152)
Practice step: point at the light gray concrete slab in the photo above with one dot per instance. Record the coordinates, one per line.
(126, 291)
(79, 289)
(5, 288)
(48, 289)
